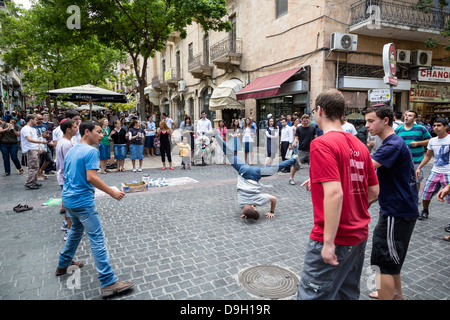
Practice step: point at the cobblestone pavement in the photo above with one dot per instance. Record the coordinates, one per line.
(188, 242)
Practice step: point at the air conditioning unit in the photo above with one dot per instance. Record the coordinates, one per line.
(344, 41)
(181, 86)
(421, 58)
(403, 56)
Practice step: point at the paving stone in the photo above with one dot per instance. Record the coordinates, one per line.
(189, 242)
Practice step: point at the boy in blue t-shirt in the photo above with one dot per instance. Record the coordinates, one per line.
(80, 178)
(397, 200)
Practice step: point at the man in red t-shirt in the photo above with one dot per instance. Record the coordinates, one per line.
(342, 183)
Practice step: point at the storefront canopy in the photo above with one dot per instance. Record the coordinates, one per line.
(224, 96)
(266, 86)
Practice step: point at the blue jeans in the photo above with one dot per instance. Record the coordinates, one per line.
(250, 172)
(10, 150)
(88, 219)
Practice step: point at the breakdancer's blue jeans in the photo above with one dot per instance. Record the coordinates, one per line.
(250, 172)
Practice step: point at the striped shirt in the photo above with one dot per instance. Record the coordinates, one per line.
(416, 133)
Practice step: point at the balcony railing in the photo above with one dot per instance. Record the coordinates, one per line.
(195, 62)
(398, 13)
(172, 75)
(226, 47)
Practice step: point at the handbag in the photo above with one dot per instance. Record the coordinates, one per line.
(157, 143)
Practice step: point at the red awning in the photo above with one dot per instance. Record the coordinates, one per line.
(266, 86)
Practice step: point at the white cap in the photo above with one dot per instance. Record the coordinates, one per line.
(269, 116)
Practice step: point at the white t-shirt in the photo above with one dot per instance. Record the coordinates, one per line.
(62, 148)
(58, 135)
(348, 127)
(247, 137)
(169, 122)
(25, 144)
(441, 150)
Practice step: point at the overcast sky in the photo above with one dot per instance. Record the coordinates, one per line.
(25, 3)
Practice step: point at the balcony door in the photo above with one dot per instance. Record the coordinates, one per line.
(232, 34)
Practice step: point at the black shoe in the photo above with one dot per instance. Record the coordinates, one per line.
(32, 187)
(423, 215)
(38, 184)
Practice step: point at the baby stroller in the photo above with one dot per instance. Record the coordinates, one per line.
(204, 152)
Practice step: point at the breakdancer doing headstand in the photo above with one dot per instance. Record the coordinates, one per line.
(249, 185)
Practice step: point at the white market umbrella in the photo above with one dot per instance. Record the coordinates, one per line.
(87, 93)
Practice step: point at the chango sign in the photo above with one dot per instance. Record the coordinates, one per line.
(435, 74)
(428, 93)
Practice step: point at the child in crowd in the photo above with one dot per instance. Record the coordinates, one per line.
(185, 154)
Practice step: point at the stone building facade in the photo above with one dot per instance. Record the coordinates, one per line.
(218, 71)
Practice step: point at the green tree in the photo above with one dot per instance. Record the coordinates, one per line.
(142, 27)
(442, 7)
(49, 56)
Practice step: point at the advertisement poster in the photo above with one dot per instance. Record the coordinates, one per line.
(430, 93)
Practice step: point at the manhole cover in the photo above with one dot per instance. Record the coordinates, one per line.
(269, 282)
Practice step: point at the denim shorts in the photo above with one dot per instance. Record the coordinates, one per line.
(105, 151)
(136, 151)
(120, 151)
(248, 147)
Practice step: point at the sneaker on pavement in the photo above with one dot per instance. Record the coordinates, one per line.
(117, 287)
(423, 215)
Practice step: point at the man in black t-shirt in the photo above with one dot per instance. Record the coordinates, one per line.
(304, 134)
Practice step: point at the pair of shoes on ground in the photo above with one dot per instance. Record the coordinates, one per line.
(21, 208)
(107, 291)
(138, 169)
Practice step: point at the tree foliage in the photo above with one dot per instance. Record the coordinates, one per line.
(142, 27)
(51, 56)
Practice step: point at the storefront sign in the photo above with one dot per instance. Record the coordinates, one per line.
(390, 64)
(430, 93)
(379, 95)
(435, 74)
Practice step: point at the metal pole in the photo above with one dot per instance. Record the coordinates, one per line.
(392, 96)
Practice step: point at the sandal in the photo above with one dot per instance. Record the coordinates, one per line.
(447, 228)
(20, 171)
(18, 208)
(291, 182)
(6, 174)
(447, 238)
